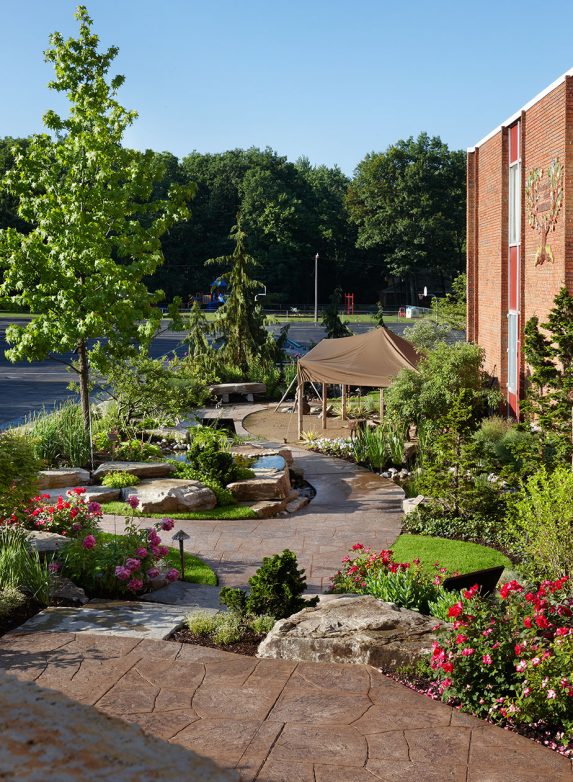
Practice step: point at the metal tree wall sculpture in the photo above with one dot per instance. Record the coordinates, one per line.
(544, 197)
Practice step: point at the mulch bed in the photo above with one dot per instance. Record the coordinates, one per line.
(248, 645)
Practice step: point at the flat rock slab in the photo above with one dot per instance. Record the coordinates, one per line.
(171, 495)
(47, 735)
(181, 593)
(63, 477)
(224, 390)
(92, 493)
(141, 469)
(133, 619)
(47, 542)
(352, 630)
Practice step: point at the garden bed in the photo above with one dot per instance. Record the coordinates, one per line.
(248, 644)
(228, 513)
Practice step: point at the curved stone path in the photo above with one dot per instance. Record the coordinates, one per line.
(281, 721)
(351, 505)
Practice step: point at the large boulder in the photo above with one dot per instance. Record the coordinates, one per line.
(65, 476)
(171, 495)
(266, 485)
(92, 493)
(352, 629)
(141, 469)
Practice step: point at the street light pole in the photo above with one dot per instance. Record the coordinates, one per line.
(316, 288)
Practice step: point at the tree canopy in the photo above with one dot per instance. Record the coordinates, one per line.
(96, 223)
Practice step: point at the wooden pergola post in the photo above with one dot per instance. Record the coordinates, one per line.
(324, 400)
(381, 405)
(344, 401)
(299, 408)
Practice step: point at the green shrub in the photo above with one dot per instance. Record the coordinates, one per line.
(186, 471)
(275, 589)
(19, 467)
(228, 630)
(119, 480)
(541, 524)
(11, 598)
(261, 625)
(137, 451)
(209, 454)
(201, 622)
(431, 520)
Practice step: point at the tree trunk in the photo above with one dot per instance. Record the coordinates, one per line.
(84, 383)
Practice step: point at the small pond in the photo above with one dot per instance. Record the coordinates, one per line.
(274, 462)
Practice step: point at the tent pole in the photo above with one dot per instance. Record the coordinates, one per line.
(344, 389)
(314, 388)
(324, 405)
(381, 405)
(284, 396)
(300, 419)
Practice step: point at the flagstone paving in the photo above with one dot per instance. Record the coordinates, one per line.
(276, 720)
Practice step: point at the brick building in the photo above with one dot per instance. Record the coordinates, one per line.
(519, 221)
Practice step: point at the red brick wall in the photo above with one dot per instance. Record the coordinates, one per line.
(546, 133)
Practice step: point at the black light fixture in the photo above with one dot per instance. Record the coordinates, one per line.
(181, 536)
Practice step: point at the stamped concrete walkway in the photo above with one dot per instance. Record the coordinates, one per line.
(278, 721)
(351, 505)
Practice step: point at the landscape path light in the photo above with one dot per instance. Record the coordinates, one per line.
(181, 536)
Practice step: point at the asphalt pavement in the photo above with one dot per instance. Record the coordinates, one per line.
(27, 387)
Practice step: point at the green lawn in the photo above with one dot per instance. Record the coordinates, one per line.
(196, 571)
(451, 554)
(228, 513)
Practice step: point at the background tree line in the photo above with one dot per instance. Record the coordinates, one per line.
(397, 225)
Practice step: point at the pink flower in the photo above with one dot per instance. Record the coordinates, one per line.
(467, 652)
(135, 585)
(132, 564)
(76, 526)
(357, 547)
(94, 507)
(89, 542)
(133, 501)
(167, 524)
(460, 638)
(456, 609)
(486, 659)
(521, 666)
(447, 667)
(535, 662)
(172, 574)
(551, 694)
(123, 573)
(526, 692)
(153, 537)
(162, 551)
(469, 593)
(54, 567)
(141, 553)
(79, 490)
(155, 551)
(153, 572)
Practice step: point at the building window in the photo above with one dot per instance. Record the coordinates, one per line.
(512, 352)
(514, 203)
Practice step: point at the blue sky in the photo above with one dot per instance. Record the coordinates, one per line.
(329, 79)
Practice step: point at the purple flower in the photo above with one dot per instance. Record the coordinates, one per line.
(76, 526)
(153, 572)
(89, 542)
(167, 524)
(135, 585)
(162, 551)
(123, 573)
(141, 553)
(54, 567)
(133, 501)
(94, 507)
(153, 537)
(132, 564)
(172, 574)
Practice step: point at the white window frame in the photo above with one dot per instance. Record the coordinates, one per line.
(512, 351)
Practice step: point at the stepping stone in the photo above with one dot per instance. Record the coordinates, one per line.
(141, 469)
(132, 619)
(181, 593)
(67, 476)
(100, 494)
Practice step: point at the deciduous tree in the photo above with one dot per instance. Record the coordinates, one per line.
(97, 229)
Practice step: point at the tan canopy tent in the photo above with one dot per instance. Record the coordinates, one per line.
(372, 359)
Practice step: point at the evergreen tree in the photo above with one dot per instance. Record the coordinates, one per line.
(240, 320)
(331, 320)
(549, 399)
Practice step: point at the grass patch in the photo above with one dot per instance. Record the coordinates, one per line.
(223, 513)
(196, 571)
(451, 554)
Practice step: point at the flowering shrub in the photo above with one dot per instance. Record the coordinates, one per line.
(118, 565)
(71, 515)
(342, 447)
(510, 658)
(376, 573)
